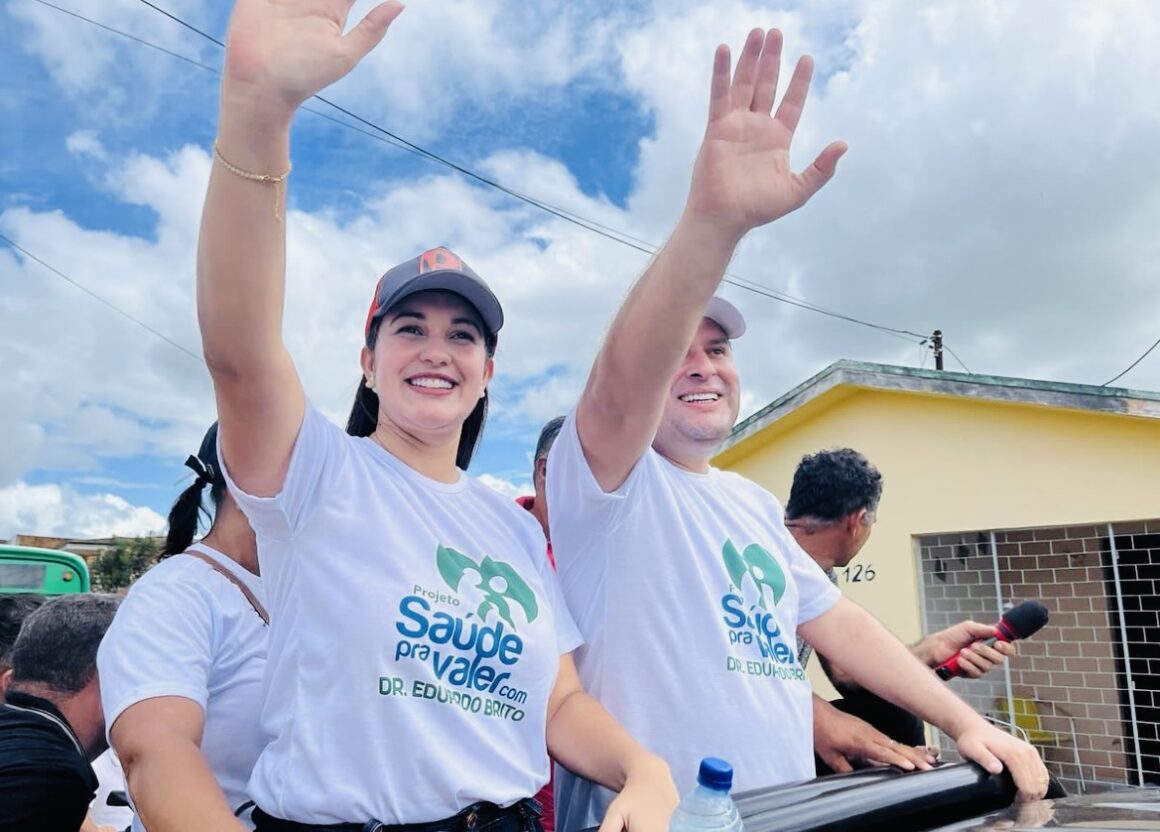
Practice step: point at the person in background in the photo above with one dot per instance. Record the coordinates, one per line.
(13, 610)
(181, 666)
(537, 504)
(51, 723)
(683, 579)
(832, 507)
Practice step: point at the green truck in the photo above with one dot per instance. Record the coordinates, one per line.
(26, 569)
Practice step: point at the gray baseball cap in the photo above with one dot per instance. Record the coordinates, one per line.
(726, 316)
(437, 269)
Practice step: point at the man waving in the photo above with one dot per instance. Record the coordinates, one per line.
(684, 580)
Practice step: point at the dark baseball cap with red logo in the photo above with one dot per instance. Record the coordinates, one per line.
(439, 269)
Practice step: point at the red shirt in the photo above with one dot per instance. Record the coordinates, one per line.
(529, 503)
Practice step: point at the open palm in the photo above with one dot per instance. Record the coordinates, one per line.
(742, 178)
(287, 50)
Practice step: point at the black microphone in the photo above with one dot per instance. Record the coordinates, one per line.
(1020, 621)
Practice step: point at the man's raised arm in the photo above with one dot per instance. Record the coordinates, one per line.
(741, 180)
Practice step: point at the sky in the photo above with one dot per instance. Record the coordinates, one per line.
(1002, 185)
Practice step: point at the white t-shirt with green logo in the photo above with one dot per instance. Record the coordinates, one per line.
(688, 590)
(415, 634)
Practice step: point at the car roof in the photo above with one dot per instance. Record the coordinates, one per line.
(1123, 808)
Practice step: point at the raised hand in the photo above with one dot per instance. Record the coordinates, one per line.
(281, 52)
(742, 178)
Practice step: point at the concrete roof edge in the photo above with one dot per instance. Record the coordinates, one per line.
(1109, 400)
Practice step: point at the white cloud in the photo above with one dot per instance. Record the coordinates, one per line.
(506, 487)
(87, 143)
(53, 511)
(547, 397)
(114, 79)
(444, 64)
(88, 382)
(464, 59)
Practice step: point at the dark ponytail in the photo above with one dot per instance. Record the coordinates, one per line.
(471, 433)
(184, 517)
(364, 413)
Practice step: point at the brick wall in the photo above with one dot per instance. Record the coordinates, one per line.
(1073, 669)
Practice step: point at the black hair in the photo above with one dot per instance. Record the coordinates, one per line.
(364, 413)
(547, 438)
(185, 515)
(57, 646)
(830, 485)
(13, 610)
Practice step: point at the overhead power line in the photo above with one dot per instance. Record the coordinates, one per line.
(97, 297)
(382, 134)
(1132, 366)
(955, 355)
(214, 70)
(133, 38)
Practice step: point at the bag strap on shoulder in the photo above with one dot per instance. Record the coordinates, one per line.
(235, 580)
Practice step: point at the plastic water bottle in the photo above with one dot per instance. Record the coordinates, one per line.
(708, 807)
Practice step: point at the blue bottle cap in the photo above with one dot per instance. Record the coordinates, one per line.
(715, 773)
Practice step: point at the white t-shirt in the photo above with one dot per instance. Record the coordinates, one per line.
(110, 778)
(688, 590)
(416, 632)
(185, 630)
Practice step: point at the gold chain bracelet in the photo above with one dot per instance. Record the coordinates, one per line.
(277, 180)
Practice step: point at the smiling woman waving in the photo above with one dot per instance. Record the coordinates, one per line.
(419, 650)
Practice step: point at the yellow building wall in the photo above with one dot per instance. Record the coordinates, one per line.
(953, 464)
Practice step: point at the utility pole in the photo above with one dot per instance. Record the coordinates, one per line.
(937, 346)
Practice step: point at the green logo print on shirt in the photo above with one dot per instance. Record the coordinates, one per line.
(469, 664)
(755, 625)
(760, 566)
(499, 584)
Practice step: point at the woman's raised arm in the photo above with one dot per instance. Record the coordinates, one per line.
(278, 54)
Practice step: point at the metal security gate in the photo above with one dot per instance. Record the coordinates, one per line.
(1086, 689)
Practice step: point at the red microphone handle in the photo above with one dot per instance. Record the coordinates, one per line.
(950, 668)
